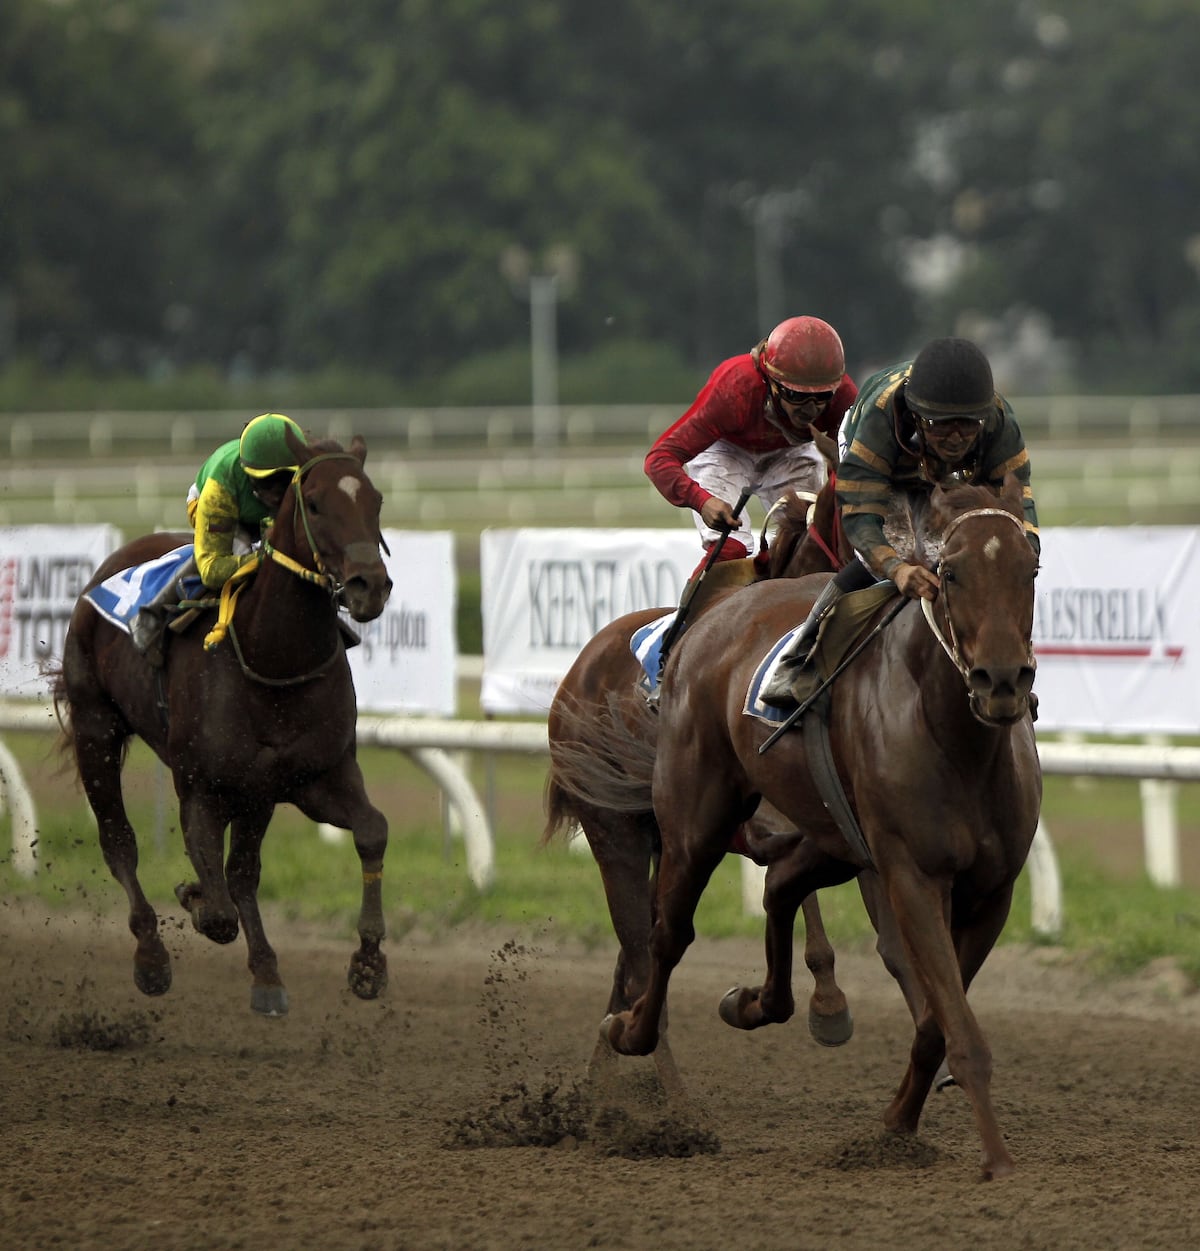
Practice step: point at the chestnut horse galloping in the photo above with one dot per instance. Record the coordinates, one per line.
(267, 717)
(623, 837)
(932, 739)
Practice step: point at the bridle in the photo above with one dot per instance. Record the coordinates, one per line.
(319, 576)
(951, 646)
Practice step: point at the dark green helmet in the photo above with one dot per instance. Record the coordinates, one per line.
(950, 379)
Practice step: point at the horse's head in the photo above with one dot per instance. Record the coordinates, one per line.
(987, 570)
(334, 514)
(807, 535)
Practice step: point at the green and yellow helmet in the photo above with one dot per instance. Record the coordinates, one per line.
(264, 447)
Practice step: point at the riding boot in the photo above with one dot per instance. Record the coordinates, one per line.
(777, 690)
(148, 628)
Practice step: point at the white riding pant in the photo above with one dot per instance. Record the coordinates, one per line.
(727, 470)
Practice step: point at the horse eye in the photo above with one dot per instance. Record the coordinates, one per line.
(947, 574)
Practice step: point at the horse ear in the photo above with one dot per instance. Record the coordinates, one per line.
(297, 446)
(358, 447)
(1013, 491)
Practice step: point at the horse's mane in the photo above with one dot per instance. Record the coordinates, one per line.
(321, 447)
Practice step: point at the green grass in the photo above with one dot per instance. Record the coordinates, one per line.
(1116, 919)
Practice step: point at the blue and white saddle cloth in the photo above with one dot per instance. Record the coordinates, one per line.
(646, 645)
(121, 597)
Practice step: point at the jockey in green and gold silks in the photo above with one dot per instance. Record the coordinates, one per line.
(237, 490)
(934, 419)
(891, 444)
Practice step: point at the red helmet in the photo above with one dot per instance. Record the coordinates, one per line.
(803, 354)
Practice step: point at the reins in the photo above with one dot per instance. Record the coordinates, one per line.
(950, 646)
(318, 577)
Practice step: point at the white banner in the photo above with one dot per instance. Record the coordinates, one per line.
(1117, 630)
(1117, 627)
(546, 592)
(408, 658)
(43, 569)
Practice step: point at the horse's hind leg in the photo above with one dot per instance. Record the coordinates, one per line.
(791, 883)
(207, 900)
(243, 870)
(99, 739)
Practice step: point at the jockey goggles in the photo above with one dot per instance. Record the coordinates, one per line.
(803, 398)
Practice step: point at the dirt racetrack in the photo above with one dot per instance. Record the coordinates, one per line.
(185, 1122)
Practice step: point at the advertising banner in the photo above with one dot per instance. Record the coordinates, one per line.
(406, 662)
(408, 658)
(546, 592)
(43, 569)
(1117, 630)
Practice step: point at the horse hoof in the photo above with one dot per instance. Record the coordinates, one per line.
(831, 1031)
(732, 1005)
(368, 976)
(152, 979)
(944, 1079)
(269, 1000)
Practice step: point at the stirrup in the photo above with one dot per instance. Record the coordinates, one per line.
(776, 692)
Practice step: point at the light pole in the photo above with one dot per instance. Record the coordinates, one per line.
(541, 285)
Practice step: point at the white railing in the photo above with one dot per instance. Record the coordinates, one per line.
(434, 742)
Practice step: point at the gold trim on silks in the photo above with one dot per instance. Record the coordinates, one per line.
(375, 876)
(894, 380)
(229, 594)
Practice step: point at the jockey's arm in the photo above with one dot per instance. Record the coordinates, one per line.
(215, 521)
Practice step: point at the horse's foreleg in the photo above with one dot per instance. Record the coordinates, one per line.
(771, 1003)
(921, 910)
(340, 798)
(98, 754)
(243, 869)
(367, 974)
(829, 1019)
(681, 881)
(622, 845)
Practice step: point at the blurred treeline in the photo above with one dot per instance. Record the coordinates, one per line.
(209, 193)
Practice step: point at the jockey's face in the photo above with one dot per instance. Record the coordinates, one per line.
(270, 491)
(801, 408)
(951, 439)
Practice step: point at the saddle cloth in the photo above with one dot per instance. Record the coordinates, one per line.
(121, 597)
(646, 644)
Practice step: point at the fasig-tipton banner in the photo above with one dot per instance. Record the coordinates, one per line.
(408, 658)
(43, 569)
(1117, 630)
(546, 592)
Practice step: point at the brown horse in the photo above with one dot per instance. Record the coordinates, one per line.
(932, 740)
(267, 717)
(624, 840)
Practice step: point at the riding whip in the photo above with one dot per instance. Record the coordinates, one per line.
(685, 604)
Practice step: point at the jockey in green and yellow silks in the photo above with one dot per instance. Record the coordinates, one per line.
(238, 489)
(235, 496)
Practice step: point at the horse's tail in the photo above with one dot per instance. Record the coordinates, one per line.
(600, 759)
(64, 748)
